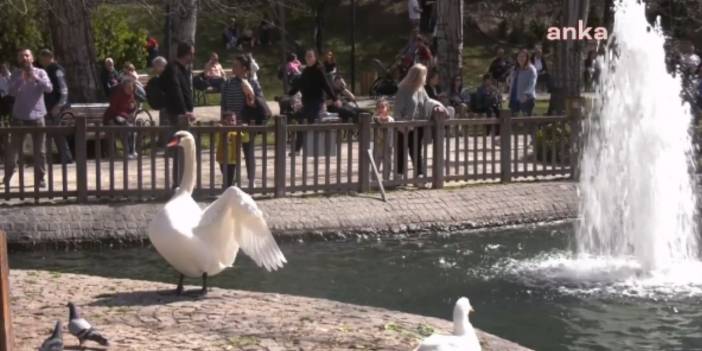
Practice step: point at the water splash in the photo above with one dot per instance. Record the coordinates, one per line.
(637, 194)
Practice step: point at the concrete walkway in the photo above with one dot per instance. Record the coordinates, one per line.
(138, 316)
(309, 218)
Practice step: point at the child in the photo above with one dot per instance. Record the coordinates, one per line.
(383, 141)
(232, 144)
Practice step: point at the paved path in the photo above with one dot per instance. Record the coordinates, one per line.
(309, 218)
(134, 315)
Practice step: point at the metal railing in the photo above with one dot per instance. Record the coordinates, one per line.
(333, 157)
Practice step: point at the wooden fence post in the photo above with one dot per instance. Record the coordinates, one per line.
(281, 141)
(364, 143)
(6, 337)
(439, 162)
(505, 146)
(81, 158)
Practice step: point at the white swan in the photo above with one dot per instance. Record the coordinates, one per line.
(202, 243)
(463, 338)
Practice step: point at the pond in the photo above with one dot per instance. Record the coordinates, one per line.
(508, 274)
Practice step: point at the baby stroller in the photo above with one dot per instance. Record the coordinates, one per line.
(385, 84)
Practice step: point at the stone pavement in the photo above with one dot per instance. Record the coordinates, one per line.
(309, 218)
(136, 315)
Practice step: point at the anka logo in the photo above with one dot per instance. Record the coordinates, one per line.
(581, 33)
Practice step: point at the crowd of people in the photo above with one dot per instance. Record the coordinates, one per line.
(316, 89)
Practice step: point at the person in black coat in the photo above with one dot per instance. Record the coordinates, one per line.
(56, 101)
(313, 84)
(175, 82)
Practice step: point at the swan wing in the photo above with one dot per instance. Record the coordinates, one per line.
(236, 211)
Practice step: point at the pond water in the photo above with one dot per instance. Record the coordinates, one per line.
(520, 281)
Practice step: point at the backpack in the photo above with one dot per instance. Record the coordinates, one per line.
(155, 94)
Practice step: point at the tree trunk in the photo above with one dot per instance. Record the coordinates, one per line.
(608, 18)
(74, 48)
(567, 73)
(450, 40)
(183, 20)
(319, 26)
(278, 11)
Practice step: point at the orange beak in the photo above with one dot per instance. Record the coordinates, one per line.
(174, 142)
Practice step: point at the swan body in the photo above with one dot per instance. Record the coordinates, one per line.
(203, 242)
(464, 337)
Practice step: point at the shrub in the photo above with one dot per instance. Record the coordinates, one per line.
(20, 27)
(114, 37)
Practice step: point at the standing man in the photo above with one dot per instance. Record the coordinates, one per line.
(175, 82)
(28, 86)
(56, 100)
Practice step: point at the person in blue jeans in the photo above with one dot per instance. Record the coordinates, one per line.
(523, 85)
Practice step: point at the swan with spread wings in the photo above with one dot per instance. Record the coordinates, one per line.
(203, 242)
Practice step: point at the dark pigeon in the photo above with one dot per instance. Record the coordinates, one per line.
(55, 341)
(81, 329)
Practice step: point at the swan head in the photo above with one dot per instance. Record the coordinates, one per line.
(462, 308)
(182, 138)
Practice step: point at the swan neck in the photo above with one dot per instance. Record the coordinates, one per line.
(187, 183)
(461, 326)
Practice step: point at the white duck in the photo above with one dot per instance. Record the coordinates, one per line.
(463, 338)
(202, 243)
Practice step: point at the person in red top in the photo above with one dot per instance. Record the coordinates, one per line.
(121, 112)
(151, 48)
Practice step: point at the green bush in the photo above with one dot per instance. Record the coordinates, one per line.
(549, 139)
(114, 37)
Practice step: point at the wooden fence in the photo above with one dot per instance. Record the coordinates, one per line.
(333, 157)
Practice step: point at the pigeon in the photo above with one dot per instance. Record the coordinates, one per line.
(55, 341)
(81, 329)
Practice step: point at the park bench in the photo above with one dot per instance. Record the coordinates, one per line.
(93, 113)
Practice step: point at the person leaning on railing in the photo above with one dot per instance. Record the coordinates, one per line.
(28, 86)
(383, 138)
(412, 103)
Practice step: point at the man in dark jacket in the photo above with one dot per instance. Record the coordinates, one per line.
(175, 82)
(56, 100)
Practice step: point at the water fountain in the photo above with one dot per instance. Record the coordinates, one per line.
(637, 191)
